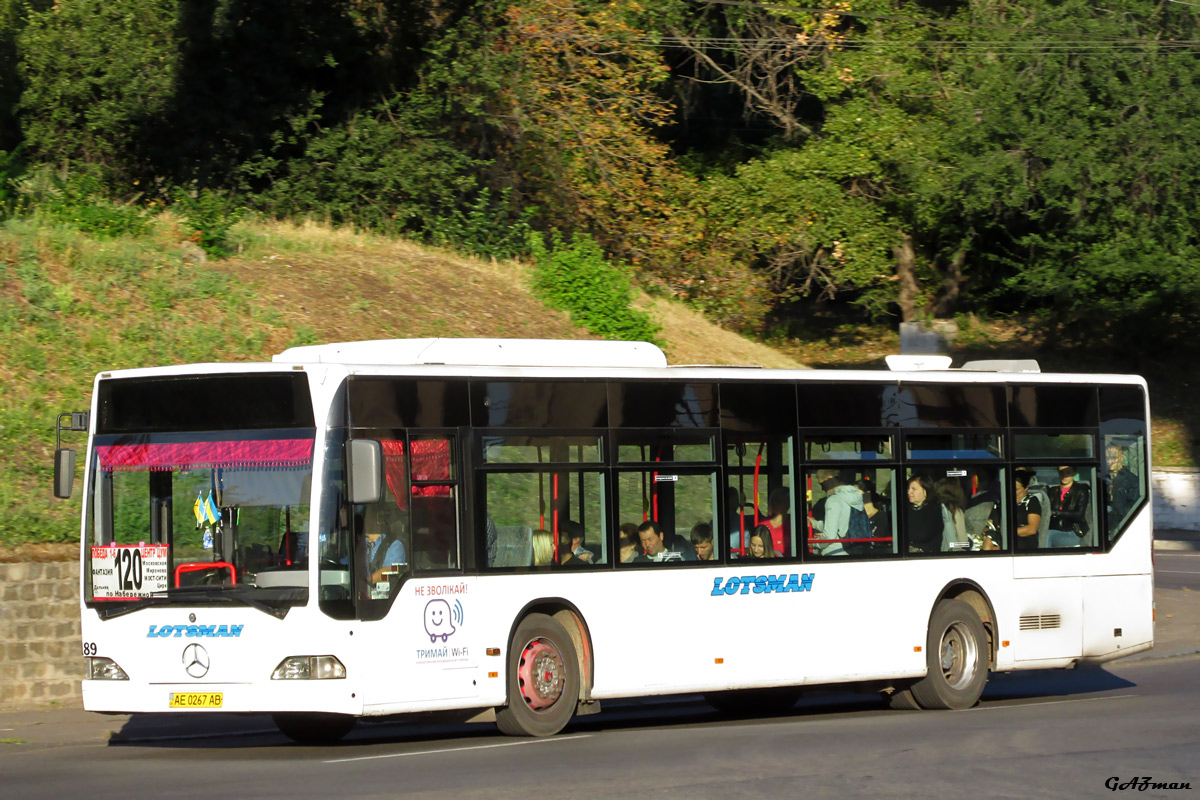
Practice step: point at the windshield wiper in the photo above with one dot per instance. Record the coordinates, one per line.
(235, 594)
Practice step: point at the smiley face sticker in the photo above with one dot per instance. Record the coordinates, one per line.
(438, 622)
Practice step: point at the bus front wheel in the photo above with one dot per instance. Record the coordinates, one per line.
(956, 654)
(543, 679)
(314, 728)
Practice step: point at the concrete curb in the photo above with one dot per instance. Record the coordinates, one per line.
(1177, 545)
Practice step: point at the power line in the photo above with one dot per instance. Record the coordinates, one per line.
(923, 20)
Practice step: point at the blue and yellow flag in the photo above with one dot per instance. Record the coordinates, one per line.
(211, 512)
(198, 508)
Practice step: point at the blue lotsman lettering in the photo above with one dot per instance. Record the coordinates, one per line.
(716, 592)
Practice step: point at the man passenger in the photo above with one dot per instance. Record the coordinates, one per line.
(650, 533)
(702, 541)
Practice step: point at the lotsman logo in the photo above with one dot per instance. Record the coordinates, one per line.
(194, 631)
(763, 584)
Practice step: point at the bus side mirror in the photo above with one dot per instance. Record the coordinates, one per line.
(365, 470)
(64, 472)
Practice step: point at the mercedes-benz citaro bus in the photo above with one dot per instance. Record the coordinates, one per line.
(518, 530)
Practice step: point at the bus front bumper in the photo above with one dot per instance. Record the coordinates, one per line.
(131, 697)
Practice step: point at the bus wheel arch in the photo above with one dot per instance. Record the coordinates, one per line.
(960, 650)
(548, 670)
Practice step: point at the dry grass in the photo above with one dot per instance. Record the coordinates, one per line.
(692, 339)
(347, 286)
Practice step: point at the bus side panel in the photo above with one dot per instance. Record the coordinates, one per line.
(1118, 613)
(1049, 622)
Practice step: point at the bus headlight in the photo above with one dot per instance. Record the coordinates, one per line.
(304, 668)
(98, 668)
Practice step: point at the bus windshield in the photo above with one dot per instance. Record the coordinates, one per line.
(199, 518)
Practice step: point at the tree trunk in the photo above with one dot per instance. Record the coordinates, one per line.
(952, 282)
(906, 272)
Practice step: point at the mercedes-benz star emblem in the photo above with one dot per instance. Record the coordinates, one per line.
(195, 660)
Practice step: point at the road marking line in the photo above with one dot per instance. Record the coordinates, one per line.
(1052, 702)
(1179, 571)
(460, 749)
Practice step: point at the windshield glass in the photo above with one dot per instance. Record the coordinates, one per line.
(199, 518)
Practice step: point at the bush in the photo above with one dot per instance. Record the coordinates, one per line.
(209, 216)
(577, 278)
(79, 201)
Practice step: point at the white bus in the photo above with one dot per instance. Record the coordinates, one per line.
(519, 530)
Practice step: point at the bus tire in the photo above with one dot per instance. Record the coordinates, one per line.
(314, 728)
(903, 700)
(543, 679)
(754, 701)
(956, 655)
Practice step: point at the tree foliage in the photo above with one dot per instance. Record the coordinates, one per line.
(761, 160)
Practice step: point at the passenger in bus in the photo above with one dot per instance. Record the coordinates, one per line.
(778, 505)
(1120, 487)
(841, 496)
(543, 548)
(923, 517)
(759, 545)
(878, 513)
(1069, 506)
(953, 499)
(656, 548)
(1029, 511)
(702, 541)
(566, 555)
(573, 531)
(628, 544)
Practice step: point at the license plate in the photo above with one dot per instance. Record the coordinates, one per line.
(195, 700)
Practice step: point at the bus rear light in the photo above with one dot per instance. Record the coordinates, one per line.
(305, 668)
(103, 669)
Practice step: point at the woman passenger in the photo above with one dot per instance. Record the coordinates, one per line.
(543, 548)
(951, 496)
(759, 544)
(629, 546)
(923, 517)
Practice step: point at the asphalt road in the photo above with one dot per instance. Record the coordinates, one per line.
(1039, 734)
(1177, 570)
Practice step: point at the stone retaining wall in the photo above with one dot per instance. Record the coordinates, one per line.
(1177, 498)
(40, 648)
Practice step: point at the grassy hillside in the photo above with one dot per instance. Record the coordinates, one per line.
(72, 305)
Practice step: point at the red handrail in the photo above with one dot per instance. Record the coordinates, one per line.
(205, 566)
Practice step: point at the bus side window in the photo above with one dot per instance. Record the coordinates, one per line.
(850, 512)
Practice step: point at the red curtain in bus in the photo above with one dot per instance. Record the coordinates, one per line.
(430, 462)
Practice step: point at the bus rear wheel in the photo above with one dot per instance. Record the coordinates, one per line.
(543, 679)
(314, 728)
(956, 655)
